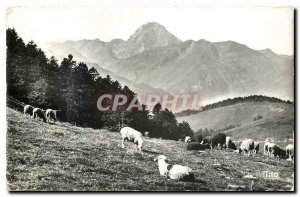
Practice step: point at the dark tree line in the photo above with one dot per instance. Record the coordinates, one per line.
(72, 87)
(252, 98)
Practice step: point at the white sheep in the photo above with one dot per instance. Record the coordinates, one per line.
(176, 172)
(266, 146)
(228, 139)
(247, 146)
(187, 139)
(28, 109)
(256, 147)
(271, 149)
(290, 150)
(51, 114)
(39, 114)
(132, 135)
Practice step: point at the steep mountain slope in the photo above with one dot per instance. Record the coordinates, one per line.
(139, 88)
(277, 121)
(211, 70)
(95, 51)
(148, 36)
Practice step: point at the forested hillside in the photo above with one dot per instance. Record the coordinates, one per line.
(72, 87)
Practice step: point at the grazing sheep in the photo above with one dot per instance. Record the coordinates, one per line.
(180, 140)
(274, 150)
(197, 146)
(51, 114)
(290, 151)
(28, 109)
(256, 147)
(132, 135)
(271, 149)
(230, 144)
(187, 139)
(220, 138)
(38, 113)
(207, 140)
(268, 142)
(266, 145)
(228, 139)
(247, 146)
(176, 172)
(147, 133)
(281, 153)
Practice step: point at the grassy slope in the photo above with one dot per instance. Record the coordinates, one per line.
(278, 119)
(60, 156)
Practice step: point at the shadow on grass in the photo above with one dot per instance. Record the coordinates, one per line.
(198, 181)
(152, 152)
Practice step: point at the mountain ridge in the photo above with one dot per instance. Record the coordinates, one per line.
(154, 56)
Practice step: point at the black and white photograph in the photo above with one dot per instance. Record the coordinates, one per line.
(150, 98)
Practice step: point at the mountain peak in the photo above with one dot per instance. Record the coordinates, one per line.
(152, 24)
(148, 36)
(153, 29)
(267, 50)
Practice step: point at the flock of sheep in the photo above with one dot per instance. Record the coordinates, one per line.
(179, 172)
(219, 141)
(38, 113)
(247, 146)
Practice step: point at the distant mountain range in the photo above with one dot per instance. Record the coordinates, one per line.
(153, 59)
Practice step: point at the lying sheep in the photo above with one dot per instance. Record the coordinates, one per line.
(28, 109)
(176, 172)
(187, 139)
(197, 146)
(132, 135)
(38, 113)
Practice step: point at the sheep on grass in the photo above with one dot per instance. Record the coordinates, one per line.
(28, 109)
(219, 139)
(132, 135)
(39, 114)
(176, 172)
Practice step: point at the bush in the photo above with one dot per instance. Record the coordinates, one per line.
(197, 146)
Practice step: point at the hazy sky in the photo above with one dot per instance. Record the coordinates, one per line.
(258, 28)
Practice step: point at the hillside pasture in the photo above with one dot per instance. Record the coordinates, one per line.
(277, 120)
(62, 157)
